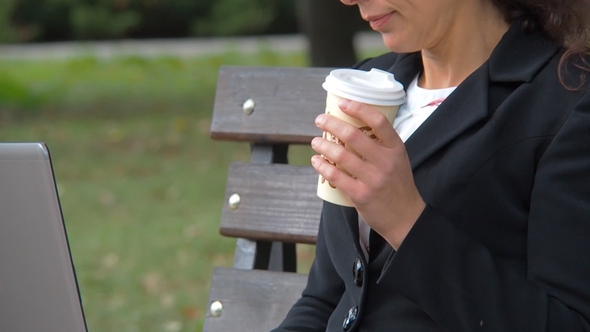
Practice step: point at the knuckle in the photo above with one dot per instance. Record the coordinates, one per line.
(348, 132)
(352, 134)
(361, 195)
(330, 173)
(340, 154)
(383, 179)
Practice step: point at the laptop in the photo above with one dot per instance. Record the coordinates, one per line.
(38, 287)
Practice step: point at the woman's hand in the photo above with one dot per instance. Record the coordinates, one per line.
(382, 185)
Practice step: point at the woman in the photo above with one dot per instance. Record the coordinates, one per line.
(478, 208)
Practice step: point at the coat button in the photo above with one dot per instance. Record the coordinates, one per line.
(350, 318)
(357, 272)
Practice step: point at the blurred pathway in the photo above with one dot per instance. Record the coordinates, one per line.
(171, 47)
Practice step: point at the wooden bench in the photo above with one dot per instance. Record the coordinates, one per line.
(270, 205)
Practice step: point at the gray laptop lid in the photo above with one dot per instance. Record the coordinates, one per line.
(38, 288)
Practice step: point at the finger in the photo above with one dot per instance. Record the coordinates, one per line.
(363, 142)
(378, 126)
(341, 132)
(337, 155)
(333, 175)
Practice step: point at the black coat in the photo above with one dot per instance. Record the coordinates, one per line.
(504, 242)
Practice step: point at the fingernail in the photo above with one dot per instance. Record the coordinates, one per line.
(319, 119)
(315, 141)
(315, 160)
(344, 104)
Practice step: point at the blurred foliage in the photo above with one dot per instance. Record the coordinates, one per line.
(88, 22)
(247, 16)
(53, 20)
(6, 31)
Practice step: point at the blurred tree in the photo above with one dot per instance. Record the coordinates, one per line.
(7, 32)
(41, 20)
(101, 21)
(168, 19)
(330, 27)
(52, 20)
(247, 17)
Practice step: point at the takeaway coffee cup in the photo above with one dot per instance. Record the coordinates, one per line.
(377, 88)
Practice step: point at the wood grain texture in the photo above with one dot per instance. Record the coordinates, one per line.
(253, 300)
(287, 100)
(278, 203)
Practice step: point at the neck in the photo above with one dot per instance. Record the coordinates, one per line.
(466, 46)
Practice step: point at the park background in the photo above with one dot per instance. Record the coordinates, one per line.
(122, 93)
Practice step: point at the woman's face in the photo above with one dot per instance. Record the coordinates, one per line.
(412, 25)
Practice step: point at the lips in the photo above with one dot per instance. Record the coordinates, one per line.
(378, 21)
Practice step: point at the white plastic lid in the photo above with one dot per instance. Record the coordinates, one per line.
(375, 87)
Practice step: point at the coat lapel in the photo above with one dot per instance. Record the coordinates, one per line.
(454, 116)
(516, 59)
(406, 67)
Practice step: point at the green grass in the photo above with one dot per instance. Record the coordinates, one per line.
(140, 181)
(141, 198)
(126, 85)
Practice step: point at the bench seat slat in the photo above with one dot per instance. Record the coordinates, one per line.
(253, 300)
(278, 203)
(291, 120)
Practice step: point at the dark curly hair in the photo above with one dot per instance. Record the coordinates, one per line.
(566, 22)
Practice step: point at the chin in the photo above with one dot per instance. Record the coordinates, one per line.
(397, 45)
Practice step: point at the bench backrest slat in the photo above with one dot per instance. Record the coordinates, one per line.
(252, 300)
(286, 100)
(277, 203)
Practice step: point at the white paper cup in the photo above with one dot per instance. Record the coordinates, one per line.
(376, 88)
